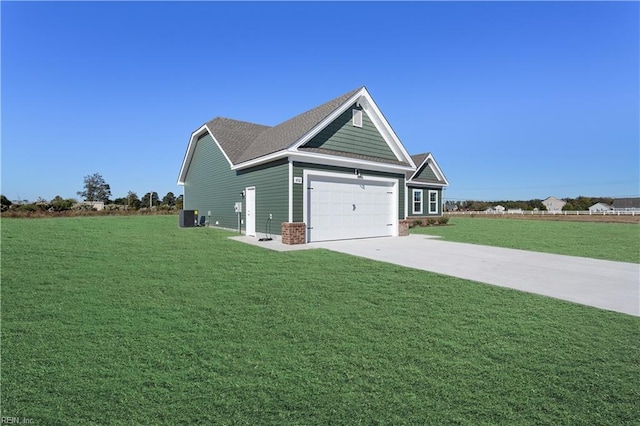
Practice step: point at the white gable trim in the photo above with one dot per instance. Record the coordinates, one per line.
(429, 161)
(425, 184)
(324, 123)
(331, 160)
(326, 159)
(384, 128)
(186, 162)
(364, 99)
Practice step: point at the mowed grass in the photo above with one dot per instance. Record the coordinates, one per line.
(597, 240)
(131, 320)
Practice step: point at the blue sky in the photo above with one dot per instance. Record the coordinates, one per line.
(516, 100)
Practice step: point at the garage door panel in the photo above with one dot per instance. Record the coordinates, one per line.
(343, 208)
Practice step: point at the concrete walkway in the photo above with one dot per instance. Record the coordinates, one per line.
(614, 286)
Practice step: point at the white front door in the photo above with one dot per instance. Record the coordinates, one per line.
(250, 200)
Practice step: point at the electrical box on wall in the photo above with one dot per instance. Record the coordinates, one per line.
(238, 207)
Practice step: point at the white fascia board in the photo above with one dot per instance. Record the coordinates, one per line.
(425, 184)
(436, 168)
(382, 125)
(260, 160)
(430, 162)
(325, 159)
(354, 163)
(191, 149)
(189, 154)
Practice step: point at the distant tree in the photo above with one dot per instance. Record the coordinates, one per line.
(59, 204)
(580, 203)
(169, 199)
(536, 204)
(95, 188)
(154, 199)
(5, 203)
(477, 205)
(179, 202)
(133, 201)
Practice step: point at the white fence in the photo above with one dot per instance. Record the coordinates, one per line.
(548, 213)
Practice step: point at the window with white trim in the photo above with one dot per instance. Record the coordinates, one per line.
(417, 201)
(357, 118)
(433, 202)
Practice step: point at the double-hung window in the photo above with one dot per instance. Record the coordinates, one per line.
(433, 202)
(417, 201)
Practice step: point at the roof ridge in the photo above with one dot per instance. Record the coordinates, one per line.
(219, 117)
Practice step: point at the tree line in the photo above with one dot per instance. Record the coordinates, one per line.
(97, 190)
(573, 204)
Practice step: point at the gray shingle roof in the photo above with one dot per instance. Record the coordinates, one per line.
(417, 160)
(243, 141)
(234, 136)
(626, 203)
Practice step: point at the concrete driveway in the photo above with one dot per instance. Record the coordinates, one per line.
(614, 286)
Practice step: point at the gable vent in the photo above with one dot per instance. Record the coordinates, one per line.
(357, 118)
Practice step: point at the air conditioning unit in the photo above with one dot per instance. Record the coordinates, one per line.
(187, 219)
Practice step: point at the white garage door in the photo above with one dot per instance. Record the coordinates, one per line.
(343, 208)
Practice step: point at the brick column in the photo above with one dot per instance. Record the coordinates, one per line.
(403, 227)
(294, 232)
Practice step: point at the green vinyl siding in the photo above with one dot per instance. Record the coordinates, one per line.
(425, 202)
(211, 185)
(298, 193)
(342, 136)
(427, 174)
(298, 189)
(272, 194)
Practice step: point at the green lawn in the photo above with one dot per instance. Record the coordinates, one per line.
(131, 320)
(610, 241)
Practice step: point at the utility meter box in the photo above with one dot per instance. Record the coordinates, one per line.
(238, 207)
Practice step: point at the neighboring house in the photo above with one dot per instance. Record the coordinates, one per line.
(95, 205)
(496, 209)
(553, 204)
(337, 171)
(626, 204)
(450, 206)
(600, 207)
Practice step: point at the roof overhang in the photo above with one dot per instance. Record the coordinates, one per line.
(426, 184)
(429, 161)
(364, 100)
(327, 160)
(191, 149)
(355, 163)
